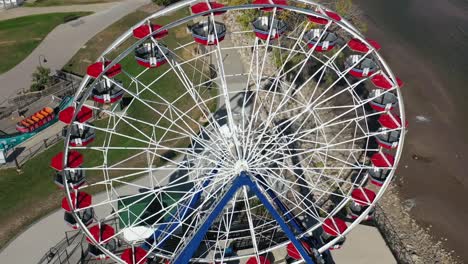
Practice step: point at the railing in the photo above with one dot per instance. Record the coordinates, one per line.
(392, 237)
(65, 84)
(67, 250)
(26, 154)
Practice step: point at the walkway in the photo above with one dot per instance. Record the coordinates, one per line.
(27, 11)
(63, 42)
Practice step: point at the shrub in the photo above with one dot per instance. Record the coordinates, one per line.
(41, 79)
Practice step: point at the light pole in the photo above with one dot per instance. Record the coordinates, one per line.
(44, 60)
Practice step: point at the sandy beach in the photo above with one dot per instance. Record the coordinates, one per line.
(426, 44)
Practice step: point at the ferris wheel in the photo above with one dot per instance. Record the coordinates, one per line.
(215, 133)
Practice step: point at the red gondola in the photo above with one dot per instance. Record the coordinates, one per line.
(359, 46)
(134, 256)
(294, 253)
(361, 68)
(267, 27)
(95, 69)
(260, 260)
(107, 92)
(206, 34)
(150, 55)
(327, 40)
(382, 81)
(204, 7)
(103, 234)
(388, 137)
(80, 200)
(362, 198)
(382, 101)
(146, 29)
(383, 164)
(332, 228)
(83, 115)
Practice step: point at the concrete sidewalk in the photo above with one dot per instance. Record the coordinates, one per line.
(62, 43)
(27, 11)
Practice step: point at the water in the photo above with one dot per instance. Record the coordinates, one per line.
(437, 30)
(426, 43)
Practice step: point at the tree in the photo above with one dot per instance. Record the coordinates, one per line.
(41, 79)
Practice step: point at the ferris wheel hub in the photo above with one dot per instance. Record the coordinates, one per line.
(241, 166)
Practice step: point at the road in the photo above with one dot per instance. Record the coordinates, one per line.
(63, 42)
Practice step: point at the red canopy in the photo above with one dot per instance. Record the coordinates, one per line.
(83, 115)
(75, 159)
(144, 30)
(203, 7)
(253, 260)
(390, 121)
(95, 69)
(359, 46)
(134, 256)
(382, 81)
(294, 253)
(102, 234)
(382, 160)
(270, 2)
(334, 226)
(84, 200)
(363, 196)
(333, 15)
(318, 20)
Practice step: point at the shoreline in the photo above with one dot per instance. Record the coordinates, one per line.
(431, 176)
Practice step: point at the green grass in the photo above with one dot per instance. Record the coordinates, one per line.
(35, 185)
(20, 36)
(42, 3)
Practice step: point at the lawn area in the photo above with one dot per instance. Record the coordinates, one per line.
(35, 185)
(42, 3)
(20, 36)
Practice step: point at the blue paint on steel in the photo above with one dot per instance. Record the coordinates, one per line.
(181, 213)
(242, 180)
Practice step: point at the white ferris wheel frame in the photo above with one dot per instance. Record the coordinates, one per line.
(84, 91)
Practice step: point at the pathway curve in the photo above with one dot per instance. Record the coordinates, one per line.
(63, 42)
(27, 11)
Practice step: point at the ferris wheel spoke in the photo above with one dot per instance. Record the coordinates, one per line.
(186, 82)
(332, 122)
(313, 189)
(310, 209)
(283, 102)
(275, 83)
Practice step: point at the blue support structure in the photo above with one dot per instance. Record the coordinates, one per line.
(242, 180)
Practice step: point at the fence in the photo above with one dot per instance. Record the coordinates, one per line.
(392, 237)
(21, 155)
(65, 84)
(69, 250)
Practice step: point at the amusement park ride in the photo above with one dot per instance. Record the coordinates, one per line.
(199, 168)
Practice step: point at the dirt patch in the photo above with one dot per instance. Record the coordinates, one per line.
(150, 8)
(7, 43)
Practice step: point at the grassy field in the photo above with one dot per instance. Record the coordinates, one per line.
(35, 185)
(42, 3)
(20, 36)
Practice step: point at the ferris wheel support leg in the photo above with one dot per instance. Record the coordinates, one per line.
(242, 180)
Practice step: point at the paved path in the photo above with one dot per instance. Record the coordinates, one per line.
(364, 245)
(27, 11)
(62, 43)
